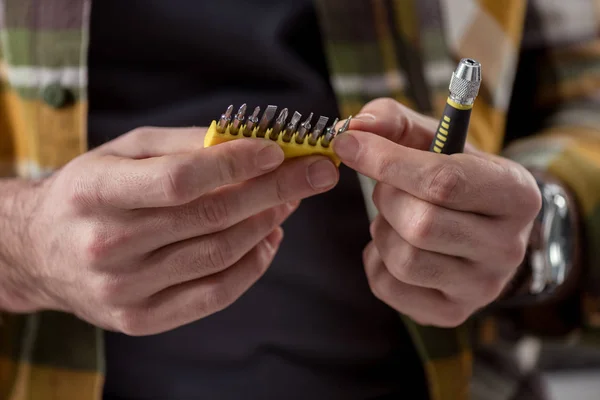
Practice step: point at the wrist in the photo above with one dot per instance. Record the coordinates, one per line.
(552, 266)
(18, 200)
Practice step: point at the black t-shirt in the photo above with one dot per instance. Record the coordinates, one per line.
(310, 328)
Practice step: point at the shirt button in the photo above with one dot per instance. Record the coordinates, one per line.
(55, 95)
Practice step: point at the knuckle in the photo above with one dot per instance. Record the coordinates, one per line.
(175, 182)
(282, 188)
(422, 225)
(140, 133)
(218, 254)
(406, 266)
(421, 319)
(376, 288)
(214, 212)
(366, 260)
(379, 194)
(371, 275)
(260, 267)
(380, 288)
(217, 298)
(262, 261)
(514, 252)
(271, 218)
(429, 274)
(130, 321)
(99, 244)
(534, 200)
(530, 196)
(452, 316)
(491, 288)
(376, 197)
(80, 195)
(374, 230)
(227, 167)
(384, 104)
(109, 289)
(445, 183)
(387, 168)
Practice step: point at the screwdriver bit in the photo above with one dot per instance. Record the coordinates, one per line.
(291, 127)
(316, 133)
(252, 121)
(329, 134)
(239, 118)
(304, 129)
(267, 117)
(345, 127)
(279, 124)
(225, 119)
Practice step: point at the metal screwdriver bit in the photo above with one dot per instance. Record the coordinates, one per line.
(345, 127)
(239, 118)
(465, 82)
(291, 127)
(225, 119)
(252, 121)
(267, 117)
(279, 124)
(329, 134)
(304, 129)
(316, 133)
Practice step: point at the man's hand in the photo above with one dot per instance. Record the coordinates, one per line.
(451, 230)
(151, 231)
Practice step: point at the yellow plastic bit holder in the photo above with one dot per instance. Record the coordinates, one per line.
(290, 150)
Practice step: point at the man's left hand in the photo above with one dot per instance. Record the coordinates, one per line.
(451, 230)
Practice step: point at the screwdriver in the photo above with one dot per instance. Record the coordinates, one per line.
(453, 128)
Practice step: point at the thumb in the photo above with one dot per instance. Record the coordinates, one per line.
(147, 142)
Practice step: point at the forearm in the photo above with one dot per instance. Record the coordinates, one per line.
(17, 205)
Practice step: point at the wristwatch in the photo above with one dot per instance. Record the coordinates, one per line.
(551, 266)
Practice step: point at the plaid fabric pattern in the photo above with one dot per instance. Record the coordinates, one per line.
(404, 49)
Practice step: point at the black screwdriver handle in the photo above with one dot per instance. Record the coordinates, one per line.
(453, 128)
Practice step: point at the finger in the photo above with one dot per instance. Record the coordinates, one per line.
(396, 122)
(461, 182)
(197, 299)
(437, 229)
(207, 255)
(460, 280)
(425, 306)
(392, 120)
(295, 180)
(177, 179)
(148, 142)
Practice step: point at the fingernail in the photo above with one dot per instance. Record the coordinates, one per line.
(322, 174)
(275, 238)
(366, 117)
(269, 157)
(346, 147)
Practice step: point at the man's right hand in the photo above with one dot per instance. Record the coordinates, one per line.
(151, 231)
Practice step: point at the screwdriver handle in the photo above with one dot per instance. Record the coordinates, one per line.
(453, 128)
(451, 135)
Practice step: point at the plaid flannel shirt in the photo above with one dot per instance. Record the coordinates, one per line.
(404, 49)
